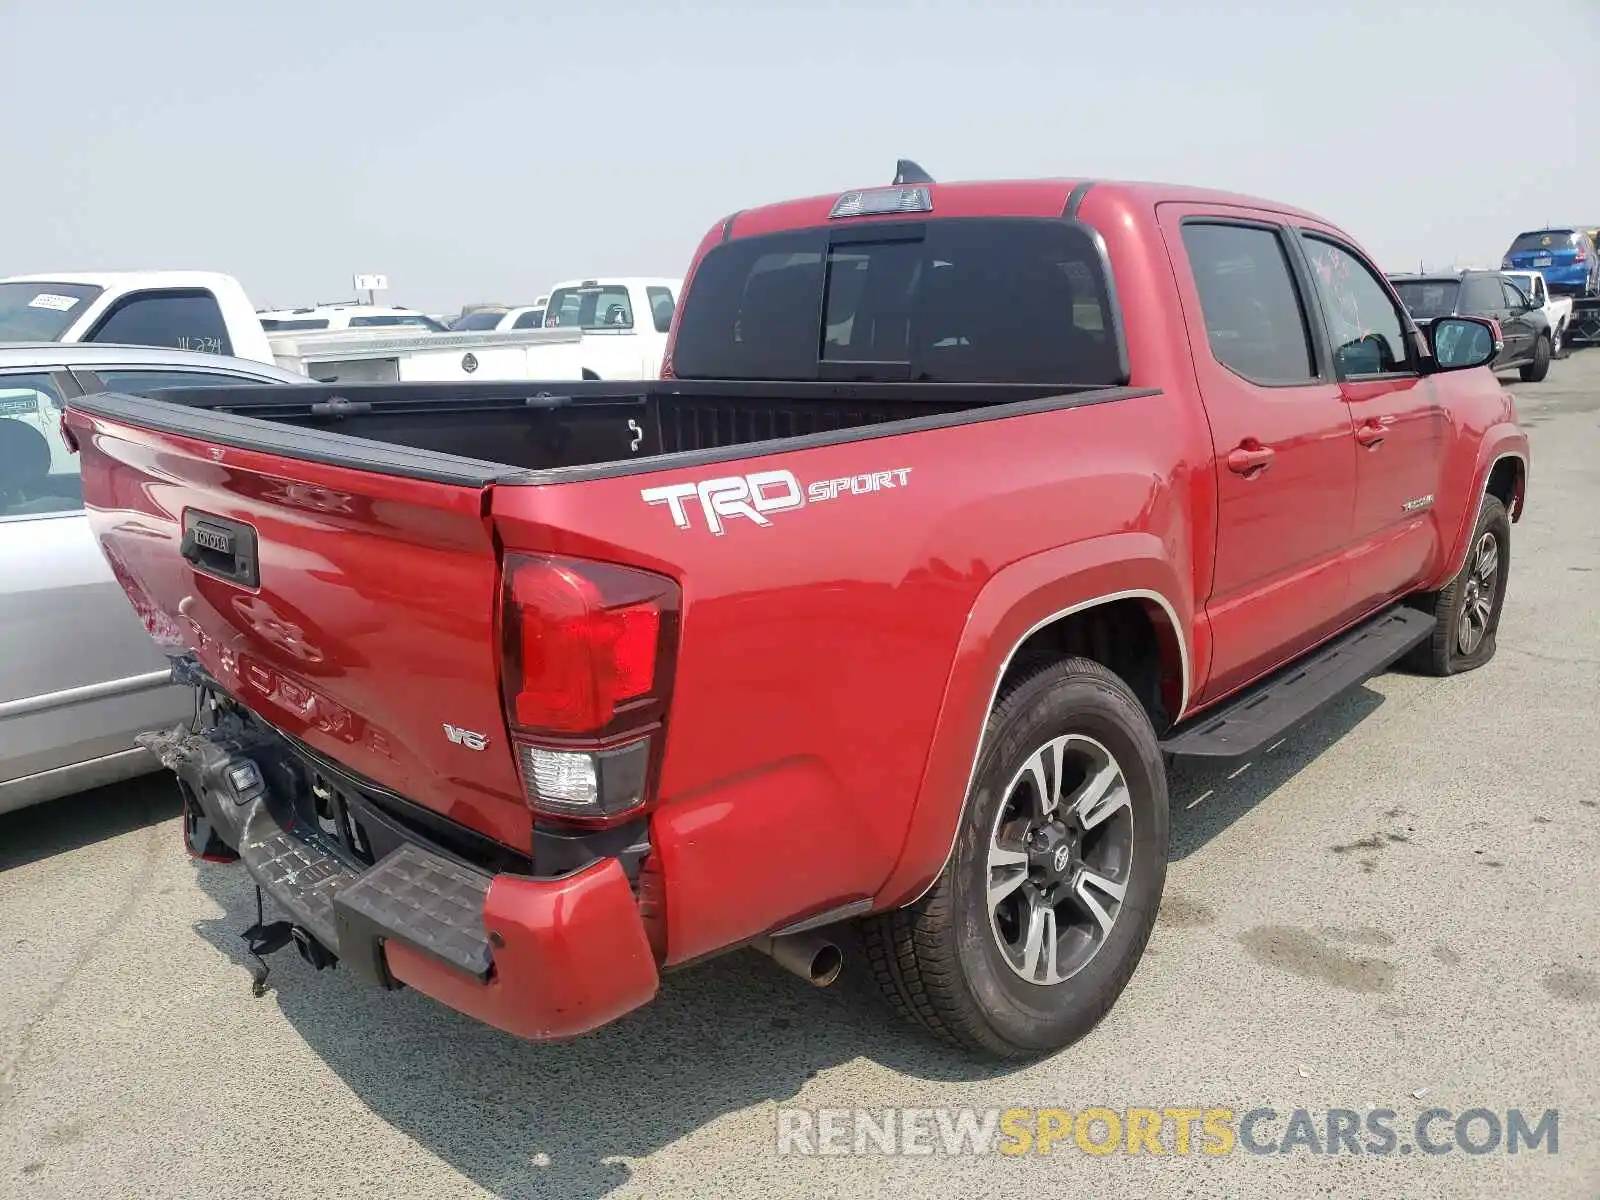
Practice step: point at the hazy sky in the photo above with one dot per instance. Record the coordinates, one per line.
(481, 151)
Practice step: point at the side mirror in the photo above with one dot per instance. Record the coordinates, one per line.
(1458, 343)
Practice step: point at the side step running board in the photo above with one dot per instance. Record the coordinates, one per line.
(1281, 701)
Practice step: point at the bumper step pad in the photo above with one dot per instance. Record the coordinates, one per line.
(300, 876)
(412, 896)
(427, 902)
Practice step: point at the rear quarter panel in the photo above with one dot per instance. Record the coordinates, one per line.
(817, 651)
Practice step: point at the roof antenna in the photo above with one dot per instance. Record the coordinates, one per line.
(906, 171)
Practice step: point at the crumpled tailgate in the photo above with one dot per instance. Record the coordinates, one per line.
(351, 609)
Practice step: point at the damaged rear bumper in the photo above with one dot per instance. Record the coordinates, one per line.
(541, 958)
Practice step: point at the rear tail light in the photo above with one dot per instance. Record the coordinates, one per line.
(589, 655)
(1580, 255)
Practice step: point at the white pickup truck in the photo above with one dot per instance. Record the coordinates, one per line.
(209, 311)
(1557, 308)
(624, 322)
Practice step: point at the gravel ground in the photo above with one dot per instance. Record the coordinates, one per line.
(1395, 908)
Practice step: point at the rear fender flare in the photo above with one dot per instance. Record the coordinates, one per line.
(1500, 442)
(1017, 601)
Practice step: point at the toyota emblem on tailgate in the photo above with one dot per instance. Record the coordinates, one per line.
(213, 538)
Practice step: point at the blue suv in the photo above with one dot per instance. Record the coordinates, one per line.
(1565, 257)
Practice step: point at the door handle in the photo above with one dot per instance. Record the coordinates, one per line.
(1250, 457)
(1371, 434)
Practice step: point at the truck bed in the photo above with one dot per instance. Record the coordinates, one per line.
(336, 557)
(522, 432)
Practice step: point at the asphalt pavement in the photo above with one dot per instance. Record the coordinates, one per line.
(1397, 908)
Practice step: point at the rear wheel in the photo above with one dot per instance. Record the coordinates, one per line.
(1558, 343)
(1037, 922)
(1467, 611)
(1535, 371)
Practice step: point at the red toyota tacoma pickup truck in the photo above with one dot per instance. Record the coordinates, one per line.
(960, 510)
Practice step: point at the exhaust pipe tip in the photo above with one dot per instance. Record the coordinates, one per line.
(826, 964)
(814, 958)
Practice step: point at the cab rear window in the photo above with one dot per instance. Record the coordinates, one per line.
(1429, 298)
(959, 300)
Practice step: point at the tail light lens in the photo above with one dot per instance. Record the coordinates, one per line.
(589, 654)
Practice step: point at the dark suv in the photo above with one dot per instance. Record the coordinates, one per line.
(1523, 325)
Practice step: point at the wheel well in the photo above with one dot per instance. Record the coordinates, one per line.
(1505, 484)
(1133, 638)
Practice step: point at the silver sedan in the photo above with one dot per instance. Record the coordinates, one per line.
(79, 675)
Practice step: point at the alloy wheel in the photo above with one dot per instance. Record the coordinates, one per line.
(1477, 604)
(1060, 859)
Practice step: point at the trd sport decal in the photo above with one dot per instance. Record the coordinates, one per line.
(753, 497)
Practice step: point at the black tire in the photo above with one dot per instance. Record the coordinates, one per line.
(1535, 371)
(939, 961)
(1559, 348)
(1442, 654)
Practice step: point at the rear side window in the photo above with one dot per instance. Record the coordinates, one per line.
(1255, 321)
(661, 306)
(289, 324)
(1481, 294)
(532, 319)
(477, 321)
(181, 320)
(38, 474)
(961, 300)
(387, 319)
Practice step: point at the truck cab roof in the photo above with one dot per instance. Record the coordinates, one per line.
(210, 280)
(1002, 198)
(193, 310)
